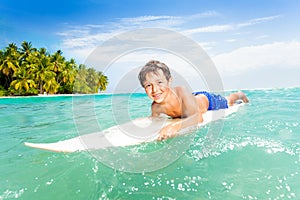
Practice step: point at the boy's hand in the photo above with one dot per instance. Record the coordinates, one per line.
(167, 132)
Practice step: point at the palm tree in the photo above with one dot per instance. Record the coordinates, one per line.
(23, 82)
(66, 77)
(2, 78)
(102, 81)
(92, 79)
(58, 61)
(42, 68)
(9, 63)
(81, 84)
(50, 85)
(25, 50)
(27, 70)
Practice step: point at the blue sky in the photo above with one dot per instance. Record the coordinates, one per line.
(253, 43)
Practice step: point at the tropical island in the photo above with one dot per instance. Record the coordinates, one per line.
(27, 71)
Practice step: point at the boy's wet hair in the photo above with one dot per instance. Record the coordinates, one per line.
(152, 67)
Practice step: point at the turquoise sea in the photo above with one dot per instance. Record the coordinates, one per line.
(256, 155)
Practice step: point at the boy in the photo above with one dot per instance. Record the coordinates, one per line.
(177, 102)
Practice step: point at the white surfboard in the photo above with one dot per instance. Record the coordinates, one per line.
(132, 133)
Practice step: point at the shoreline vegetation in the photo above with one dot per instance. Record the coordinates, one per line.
(28, 71)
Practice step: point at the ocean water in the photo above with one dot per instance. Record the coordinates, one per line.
(255, 153)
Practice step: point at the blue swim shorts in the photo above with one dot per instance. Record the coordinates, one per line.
(216, 101)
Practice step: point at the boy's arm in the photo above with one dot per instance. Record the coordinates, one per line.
(172, 129)
(191, 115)
(155, 110)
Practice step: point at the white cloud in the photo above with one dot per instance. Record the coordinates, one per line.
(207, 45)
(277, 54)
(80, 40)
(92, 33)
(149, 18)
(209, 29)
(210, 13)
(228, 27)
(230, 40)
(172, 19)
(262, 37)
(257, 21)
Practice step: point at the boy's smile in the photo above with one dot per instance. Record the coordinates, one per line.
(156, 86)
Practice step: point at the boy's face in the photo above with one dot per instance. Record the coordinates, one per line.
(156, 86)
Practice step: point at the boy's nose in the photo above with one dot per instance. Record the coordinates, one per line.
(154, 88)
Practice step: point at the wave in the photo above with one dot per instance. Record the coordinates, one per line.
(200, 149)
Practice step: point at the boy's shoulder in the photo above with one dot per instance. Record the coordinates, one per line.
(180, 90)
